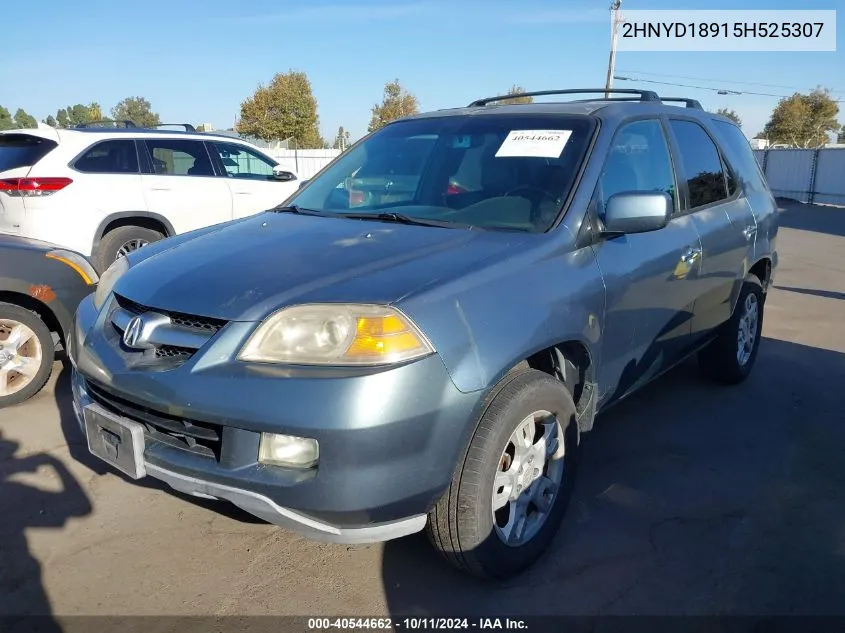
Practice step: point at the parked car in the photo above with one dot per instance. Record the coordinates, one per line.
(358, 368)
(40, 287)
(105, 192)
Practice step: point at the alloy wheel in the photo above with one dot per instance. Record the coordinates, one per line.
(20, 356)
(528, 478)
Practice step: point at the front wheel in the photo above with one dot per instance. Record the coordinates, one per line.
(729, 358)
(26, 354)
(510, 493)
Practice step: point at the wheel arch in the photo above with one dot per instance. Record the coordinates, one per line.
(762, 269)
(571, 362)
(44, 312)
(144, 219)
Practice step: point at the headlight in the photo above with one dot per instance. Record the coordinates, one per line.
(76, 261)
(108, 280)
(336, 334)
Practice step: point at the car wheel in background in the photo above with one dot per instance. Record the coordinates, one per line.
(730, 357)
(510, 492)
(26, 354)
(122, 241)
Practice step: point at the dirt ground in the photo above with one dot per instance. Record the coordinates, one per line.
(692, 499)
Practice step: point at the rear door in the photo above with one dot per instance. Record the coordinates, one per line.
(181, 184)
(19, 151)
(712, 198)
(249, 175)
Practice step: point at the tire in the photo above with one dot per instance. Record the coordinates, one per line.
(16, 386)
(721, 361)
(114, 240)
(461, 526)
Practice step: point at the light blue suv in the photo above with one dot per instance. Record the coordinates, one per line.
(417, 338)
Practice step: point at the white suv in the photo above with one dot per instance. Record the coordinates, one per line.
(107, 191)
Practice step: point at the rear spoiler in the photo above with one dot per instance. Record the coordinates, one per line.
(43, 131)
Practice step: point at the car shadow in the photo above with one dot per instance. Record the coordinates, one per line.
(827, 294)
(812, 217)
(692, 499)
(27, 506)
(78, 449)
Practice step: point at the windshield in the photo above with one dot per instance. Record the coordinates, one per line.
(490, 171)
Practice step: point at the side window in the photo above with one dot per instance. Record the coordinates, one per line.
(701, 162)
(109, 157)
(241, 162)
(740, 153)
(177, 157)
(639, 160)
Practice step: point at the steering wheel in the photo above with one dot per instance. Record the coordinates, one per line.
(534, 199)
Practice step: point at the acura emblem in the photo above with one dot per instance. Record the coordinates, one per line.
(141, 328)
(132, 334)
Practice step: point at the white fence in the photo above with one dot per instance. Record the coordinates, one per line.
(304, 162)
(806, 175)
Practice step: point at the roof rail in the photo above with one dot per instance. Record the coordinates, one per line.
(114, 123)
(690, 103)
(188, 127)
(645, 95)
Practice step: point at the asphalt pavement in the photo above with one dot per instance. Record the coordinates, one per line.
(692, 499)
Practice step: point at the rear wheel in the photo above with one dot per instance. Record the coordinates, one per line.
(510, 493)
(26, 354)
(730, 357)
(123, 240)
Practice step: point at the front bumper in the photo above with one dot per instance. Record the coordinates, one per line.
(389, 439)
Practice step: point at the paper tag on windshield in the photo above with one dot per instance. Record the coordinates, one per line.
(534, 143)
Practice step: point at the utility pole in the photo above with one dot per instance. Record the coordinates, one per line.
(615, 21)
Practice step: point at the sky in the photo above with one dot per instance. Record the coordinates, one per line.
(197, 61)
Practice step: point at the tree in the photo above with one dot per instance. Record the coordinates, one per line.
(6, 121)
(135, 109)
(731, 114)
(24, 120)
(286, 108)
(79, 114)
(396, 103)
(803, 120)
(518, 90)
(341, 141)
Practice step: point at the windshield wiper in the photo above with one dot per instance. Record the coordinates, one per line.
(295, 208)
(403, 219)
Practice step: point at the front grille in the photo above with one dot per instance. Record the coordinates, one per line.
(200, 438)
(191, 321)
(173, 352)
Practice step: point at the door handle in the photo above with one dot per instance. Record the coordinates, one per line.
(690, 255)
(160, 188)
(749, 231)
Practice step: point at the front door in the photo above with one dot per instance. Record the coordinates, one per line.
(652, 279)
(250, 179)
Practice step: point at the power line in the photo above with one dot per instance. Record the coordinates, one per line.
(720, 91)
(721, 81)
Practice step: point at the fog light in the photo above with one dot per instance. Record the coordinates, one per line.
(287, 450)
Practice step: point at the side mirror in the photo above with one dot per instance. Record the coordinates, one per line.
(302, 183)
(281, 174)
(637, 212)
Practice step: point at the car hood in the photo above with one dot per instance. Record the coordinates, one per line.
(247, 269)
(25, 243)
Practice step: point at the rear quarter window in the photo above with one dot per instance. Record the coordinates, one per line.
(23, 150)
(739, 153)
